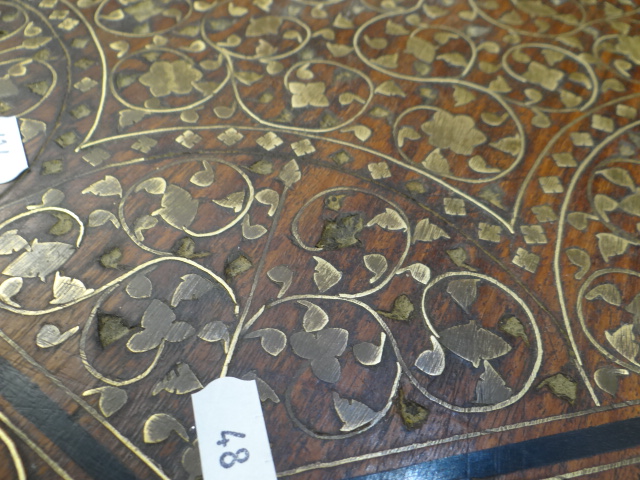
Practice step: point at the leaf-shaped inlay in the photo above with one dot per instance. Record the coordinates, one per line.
(607, 292)
(624, 341)
(111, 400)
(40, 260)
(619, 176)
(353, 414)
(607, 378)
(50, 336)
(51, 198)
(11, 242)
(139, 287)
(413, 414)
(252, 232)
(369, 353)
(63, 226)
(8, 289)
(192, 287)
(514, 328)
(428, 232)
(491, 388)
(325, 275)
(579, 258)
(143, 223)
(561, 386)
(322, 348)
(407, 133)
(631, 204)
(179, 208)
(179, 380)
(264, 390)
(66, 290)
(269, 197)
(215, 332)
(376, 264)
(155, 186)
(98, 218)
(290, 173)
(314, 318)
(401, 310)
(158, 323)
(474, 343)
(281, 275)
(432, 362)
(205, 177)
(463, 292)
(234, 201)
(611, 245)
(272, 340)
(389, 220)
(105, 188)
(160, 426)
(419, 271)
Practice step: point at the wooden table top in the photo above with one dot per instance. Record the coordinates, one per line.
(415, 223)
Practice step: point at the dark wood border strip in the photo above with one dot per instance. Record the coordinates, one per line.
(34, 405)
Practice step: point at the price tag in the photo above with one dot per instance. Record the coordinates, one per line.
(232, 436)
(13, 160)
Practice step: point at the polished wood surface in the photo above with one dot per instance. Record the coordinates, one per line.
(413, 222)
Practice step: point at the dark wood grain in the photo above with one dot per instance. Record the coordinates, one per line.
(414, 222)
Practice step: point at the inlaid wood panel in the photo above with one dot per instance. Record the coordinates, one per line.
(414, 223)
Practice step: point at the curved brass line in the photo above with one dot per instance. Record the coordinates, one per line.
(629, 237)
(288, 128)
(597, 469)
(623, 15)
(384, 156)
(455, 438)
(33, 446)
(21, 27)
(121, 279)
(372, 312)
(239, 216)
(556, 257)
(92, 370)
(550, 144)
(631, 366)
(367, 24)
(508, 28)
(536, 366)
(398, 9)
(54, 82)
(197, 103)
(592, 75)
(103, 62)
(49, 209)
(421, 27)
(595, 48)
(497, 176)
(254, 284)
(15, 455)
(380, 415)
(392, 272)
(268, 58)
(88, 408)
(137, 35)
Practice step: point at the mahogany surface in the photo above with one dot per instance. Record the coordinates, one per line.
(413, 222)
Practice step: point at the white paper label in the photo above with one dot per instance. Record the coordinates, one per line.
(232, 436)
(13, 160)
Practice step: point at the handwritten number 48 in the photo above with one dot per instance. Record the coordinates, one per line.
(229, 459)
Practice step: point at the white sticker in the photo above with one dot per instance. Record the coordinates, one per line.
(232, 436)
(13, 160)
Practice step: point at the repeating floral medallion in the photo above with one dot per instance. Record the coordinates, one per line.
(394, 216)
